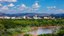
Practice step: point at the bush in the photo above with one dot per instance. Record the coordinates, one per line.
(27, 35)
(47, 35)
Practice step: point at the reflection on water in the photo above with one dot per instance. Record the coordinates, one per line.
(44, 31)
(41, 31)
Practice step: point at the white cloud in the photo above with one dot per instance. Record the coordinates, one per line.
(11, 5)
(12, 0)
(8, 0)
(51, 7)
(0, 0)
(4, 8)
(54, 6)
(0, 4)
(22, 7)
(60, 10)
(36, 5)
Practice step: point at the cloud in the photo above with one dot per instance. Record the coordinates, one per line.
(8, 0)
(22, 7)
(11, 5)
(4, 8)
(60, 10)
(0, 4)
(55, 9)
(36, 5)
(51, 7)
(34, 8)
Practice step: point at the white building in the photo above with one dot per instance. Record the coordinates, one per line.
(18, 18)
(13, 17)
(49, 17)
(24, 17)
(1, 17)
(28, 17)
(6, 17)
(46, 18)
(53, 17)
(35, 17)
(39, 18)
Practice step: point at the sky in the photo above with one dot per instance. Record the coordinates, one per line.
(31, 6)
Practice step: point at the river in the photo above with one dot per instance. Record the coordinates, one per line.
(40, 30)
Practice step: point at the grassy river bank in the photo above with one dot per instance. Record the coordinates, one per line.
(9, 27)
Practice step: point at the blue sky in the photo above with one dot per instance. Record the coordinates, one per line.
(31, 6)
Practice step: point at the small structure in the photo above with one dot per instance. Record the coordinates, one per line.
(35, 17)
(1, 17)
(6, 17)
(39, 18)
(13, 17)
(49, 17)
(18, 18)
(24, 17)
(28, 17)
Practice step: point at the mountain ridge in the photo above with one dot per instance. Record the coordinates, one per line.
(32, 14)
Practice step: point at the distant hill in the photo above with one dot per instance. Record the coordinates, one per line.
(32, 14)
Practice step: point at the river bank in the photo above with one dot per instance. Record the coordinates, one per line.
(42, 30)
(10, 27)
